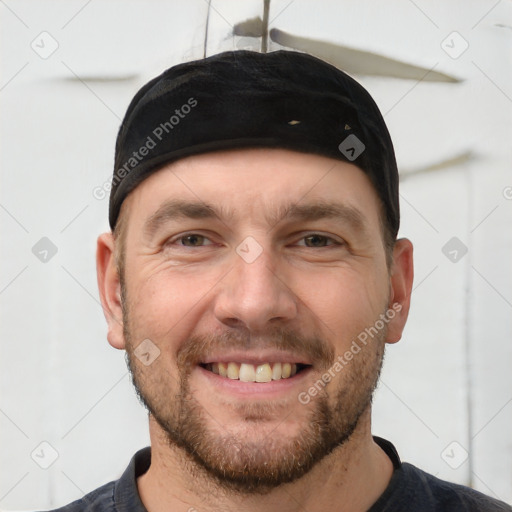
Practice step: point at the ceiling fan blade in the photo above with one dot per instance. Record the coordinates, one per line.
(358, 62)
(101, 78)
(458, 159)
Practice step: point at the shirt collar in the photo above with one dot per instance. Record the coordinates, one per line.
(126, 494)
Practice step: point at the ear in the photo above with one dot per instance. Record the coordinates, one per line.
(110, 289)
(402, 274)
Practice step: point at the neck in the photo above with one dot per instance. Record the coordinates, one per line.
(355, 475)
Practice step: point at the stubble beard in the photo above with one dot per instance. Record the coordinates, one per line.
(236, 463)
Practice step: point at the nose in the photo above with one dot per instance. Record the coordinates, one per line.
(253, 295)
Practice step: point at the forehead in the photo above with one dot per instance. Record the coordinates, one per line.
(257, 184)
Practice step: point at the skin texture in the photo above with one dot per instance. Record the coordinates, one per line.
(305, 290)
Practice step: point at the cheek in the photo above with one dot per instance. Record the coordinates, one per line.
(343, 302)
(165, 303)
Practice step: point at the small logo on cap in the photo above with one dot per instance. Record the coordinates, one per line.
(351, 147)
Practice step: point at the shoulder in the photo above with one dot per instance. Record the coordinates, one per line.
(432, 493)
(99, 500)
(117, 495)
(413, 490)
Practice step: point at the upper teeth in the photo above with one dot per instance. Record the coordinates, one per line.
(254, 373)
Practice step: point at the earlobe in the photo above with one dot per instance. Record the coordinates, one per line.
(110, 289)
(401, 279)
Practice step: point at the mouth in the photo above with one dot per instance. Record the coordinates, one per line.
(262, 373)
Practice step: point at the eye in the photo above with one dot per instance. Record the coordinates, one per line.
(193, 240)
(317, 240)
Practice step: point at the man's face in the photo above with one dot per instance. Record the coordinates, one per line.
(255, 263)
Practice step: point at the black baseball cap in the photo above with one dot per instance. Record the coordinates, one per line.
(245, 99)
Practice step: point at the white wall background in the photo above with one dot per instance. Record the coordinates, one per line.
(445, 398)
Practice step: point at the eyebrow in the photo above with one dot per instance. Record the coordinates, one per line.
(318, 211)
(180, 209)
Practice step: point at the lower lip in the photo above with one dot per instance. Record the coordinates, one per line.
(255, 389)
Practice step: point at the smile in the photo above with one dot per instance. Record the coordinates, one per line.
(247, 372)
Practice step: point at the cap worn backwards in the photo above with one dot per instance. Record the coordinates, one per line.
(244, 99)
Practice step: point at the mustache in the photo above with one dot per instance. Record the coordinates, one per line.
(198, 347)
